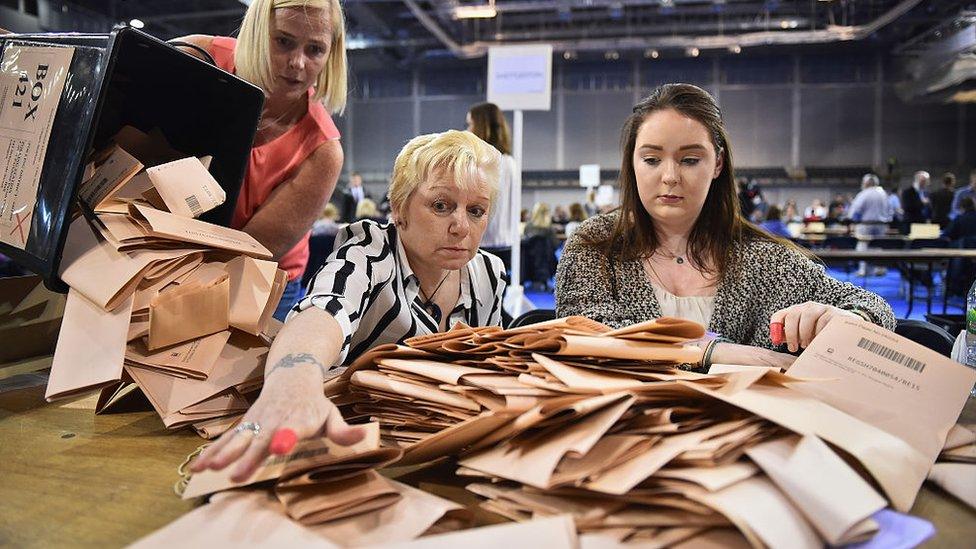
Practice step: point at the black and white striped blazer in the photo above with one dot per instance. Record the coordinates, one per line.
(370, 289)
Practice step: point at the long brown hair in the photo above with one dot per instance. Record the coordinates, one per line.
(489, 124)
(720, 223)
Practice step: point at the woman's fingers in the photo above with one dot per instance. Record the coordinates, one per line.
(339, 431)
(791, 329)
(810, 314)
(252, 456)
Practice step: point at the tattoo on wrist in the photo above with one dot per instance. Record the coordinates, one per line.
(292, 360)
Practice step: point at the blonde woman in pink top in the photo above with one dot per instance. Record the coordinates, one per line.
(295, 51)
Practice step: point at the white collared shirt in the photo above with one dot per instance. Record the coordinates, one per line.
(368, 286)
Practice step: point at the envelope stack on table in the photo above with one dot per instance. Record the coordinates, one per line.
(320, 494)
(569, 417)
(176, 306)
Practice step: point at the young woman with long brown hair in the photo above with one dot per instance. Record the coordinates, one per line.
(679, 245)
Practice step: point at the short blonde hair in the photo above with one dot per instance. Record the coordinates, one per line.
(459, 152)
(252, 56)
(366, 208)
(330, 211)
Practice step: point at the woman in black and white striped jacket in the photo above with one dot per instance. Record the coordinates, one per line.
(382, 284)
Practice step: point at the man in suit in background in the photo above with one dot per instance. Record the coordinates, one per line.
(941, 200)
(915, 201)
(353, 194)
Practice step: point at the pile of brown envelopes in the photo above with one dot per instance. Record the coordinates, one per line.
(320, 492)
(159, 300)
(569, 417)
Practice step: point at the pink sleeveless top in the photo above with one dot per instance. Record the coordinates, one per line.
(275, 162)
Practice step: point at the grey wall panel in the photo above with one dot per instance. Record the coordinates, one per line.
(441, 114)
(759, 124)
(539, 142)
(592, 127)
(918, 134)
(697, 71)
(836, 126)
(381, 130)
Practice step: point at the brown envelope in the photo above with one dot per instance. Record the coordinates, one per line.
(90, 349)
(109, 176)
(535, 464)
(189, 311)
(249, 518)
(150, 148)
(819, 483)
(106, 277)
(428, 393)
(664, 329)
(405, 519)
(323, 502)
(241, 360)
(256, 287)
(959, 479)
(759, 510)
(454, 439)
(887, 381)
(898, 468)
(578, 378)
(192, 359)
(186, 187)
(557, 532)
(173, 227)
(712, 478)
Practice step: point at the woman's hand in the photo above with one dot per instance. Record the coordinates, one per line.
(746, 355)
(802, 322)
(289, 400)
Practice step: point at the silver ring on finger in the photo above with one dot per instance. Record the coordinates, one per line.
(251, 427)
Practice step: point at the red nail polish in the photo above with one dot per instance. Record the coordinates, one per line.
(777, 332)
(283, 441)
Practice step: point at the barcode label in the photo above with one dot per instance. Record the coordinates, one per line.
(194, 204)
(891, 354)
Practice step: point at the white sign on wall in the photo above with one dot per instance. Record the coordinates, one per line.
(589, 175)
(520, 77)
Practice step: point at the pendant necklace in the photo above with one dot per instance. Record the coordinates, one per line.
(432, 309)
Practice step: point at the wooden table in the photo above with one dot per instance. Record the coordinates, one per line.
(72, 479)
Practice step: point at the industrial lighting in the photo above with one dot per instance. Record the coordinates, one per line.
(667, 3)
(136, 23)
(784, 24)
(569, 55)
(611, 56)
(735, 49)
(486, 11)
(651, 54)
(693, 52)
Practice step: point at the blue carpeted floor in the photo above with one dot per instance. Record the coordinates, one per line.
(888, 286)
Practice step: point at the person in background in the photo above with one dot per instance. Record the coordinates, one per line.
(968, 191)
(367, 210)
(837, 208)
(816, 212)
(680, 246)
(523, 220)
(577, 215)
(941, 200)
(790, 212)
(750, 196)
(774, 222)
(559, 218)
(964, 225)
(419, 275)
(488, 122)
(326, 225)
(872, 212)
(894, 206)
(352, 195)
(295, 51)
(539, 244)
(590, 206)
(915, 200)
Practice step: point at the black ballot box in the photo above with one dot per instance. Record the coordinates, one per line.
(65, 95)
